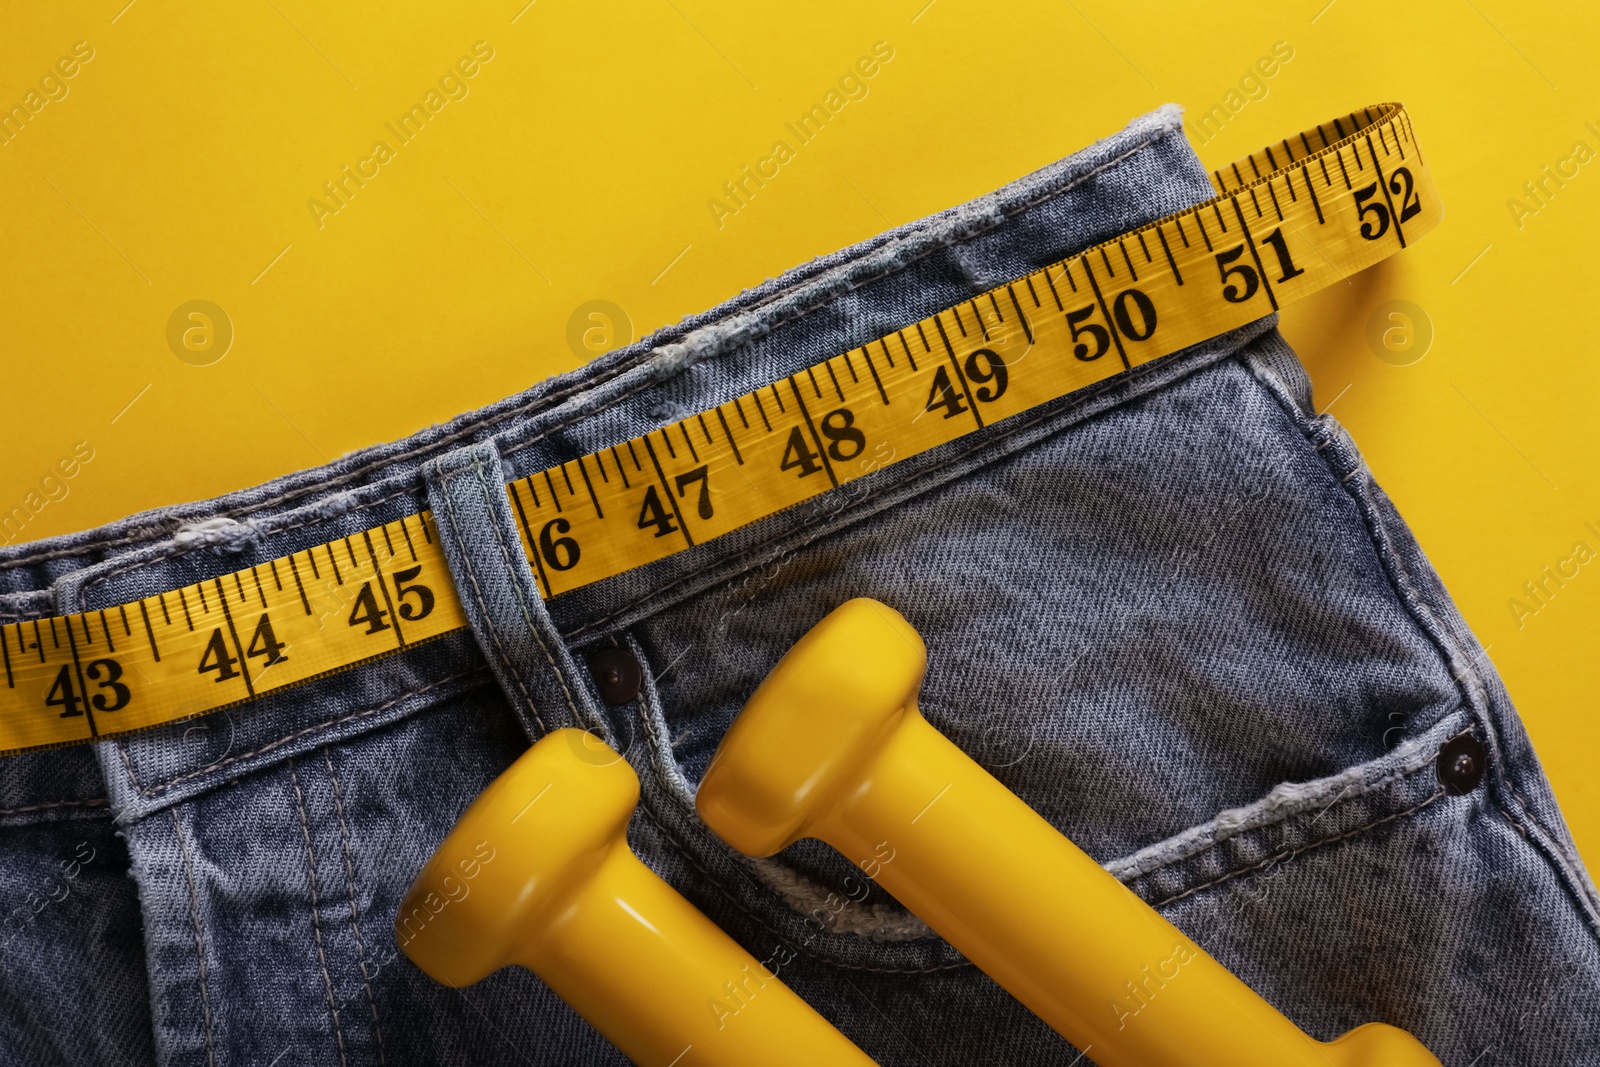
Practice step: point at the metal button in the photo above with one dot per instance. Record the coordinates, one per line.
(616, 674)
(1462, 761)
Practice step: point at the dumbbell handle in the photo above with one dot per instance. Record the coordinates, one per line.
(537, 872)
(667, 987)
(1050, 925)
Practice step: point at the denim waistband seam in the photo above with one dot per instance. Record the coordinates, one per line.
(477, 594)
(199, 938)
(512, 560)
(183, 550)
(666, 369)
(18, 605)
(316, 919)
(355, 911)
(996, 434)
(1292, 853)
(88, 802)
(157, 788)
(1475, 693)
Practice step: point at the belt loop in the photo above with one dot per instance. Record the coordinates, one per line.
(466, 489)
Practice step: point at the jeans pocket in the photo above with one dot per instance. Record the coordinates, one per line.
(1360, 896)
(1135, 620)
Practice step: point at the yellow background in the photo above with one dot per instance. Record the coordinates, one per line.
(578, 167)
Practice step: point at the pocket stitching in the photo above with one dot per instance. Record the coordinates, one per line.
(1292, 853)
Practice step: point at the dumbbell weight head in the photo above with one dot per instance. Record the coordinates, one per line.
(538, 873)
(832, 746)
(812, 726)
(486, 898)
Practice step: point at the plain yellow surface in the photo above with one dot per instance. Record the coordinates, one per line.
(576, 161)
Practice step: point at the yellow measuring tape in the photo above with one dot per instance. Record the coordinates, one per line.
(1289, 220)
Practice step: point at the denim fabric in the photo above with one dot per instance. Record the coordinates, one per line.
(1173, 612)
(530, 660)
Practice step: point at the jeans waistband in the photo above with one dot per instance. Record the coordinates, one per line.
(834, 303)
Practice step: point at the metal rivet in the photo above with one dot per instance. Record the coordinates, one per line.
(616, 675)
(1462, 761)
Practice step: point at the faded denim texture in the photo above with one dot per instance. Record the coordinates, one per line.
(1172, 611)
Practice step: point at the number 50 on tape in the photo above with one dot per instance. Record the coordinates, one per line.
(1287, 221)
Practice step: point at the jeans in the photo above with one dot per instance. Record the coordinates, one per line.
(1173, 612)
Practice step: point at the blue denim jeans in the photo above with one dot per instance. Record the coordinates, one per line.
(1173, 612)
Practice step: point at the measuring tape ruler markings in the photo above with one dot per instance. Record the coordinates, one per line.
(1270, 239)
(1289, 220)
(226, 640)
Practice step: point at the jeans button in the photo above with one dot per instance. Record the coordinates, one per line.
(1461, 764)
(616, 675)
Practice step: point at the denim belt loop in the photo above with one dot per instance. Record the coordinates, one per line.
(541, 679)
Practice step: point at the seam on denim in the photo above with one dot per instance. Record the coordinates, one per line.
(17, 598)
(99, 802)
(176, 551)
(665, 768)
(937, 475)
(1290, 853)
(513, 445)
(889, 271)
(1443, 637)
(350, 889)
(1479, 698)
(44, 595)
(1539, 838)
(1388, 559)
(662, 765)
(477, 595)
(316, 923)
(1440, 636)
(1425, 760)
(161, 787)
(716, 882)
(199, 939)
(556, 398)
(127, 766)
(511, 562)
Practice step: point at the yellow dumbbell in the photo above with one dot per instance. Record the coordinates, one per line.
(832, 746)
(538, 873)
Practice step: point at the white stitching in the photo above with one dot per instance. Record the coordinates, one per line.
(316, 923)
(516, 588)
(350, 887)
(199, 940)
(162, 787)
(477, 594)
(1291, 853)
(91, 803)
